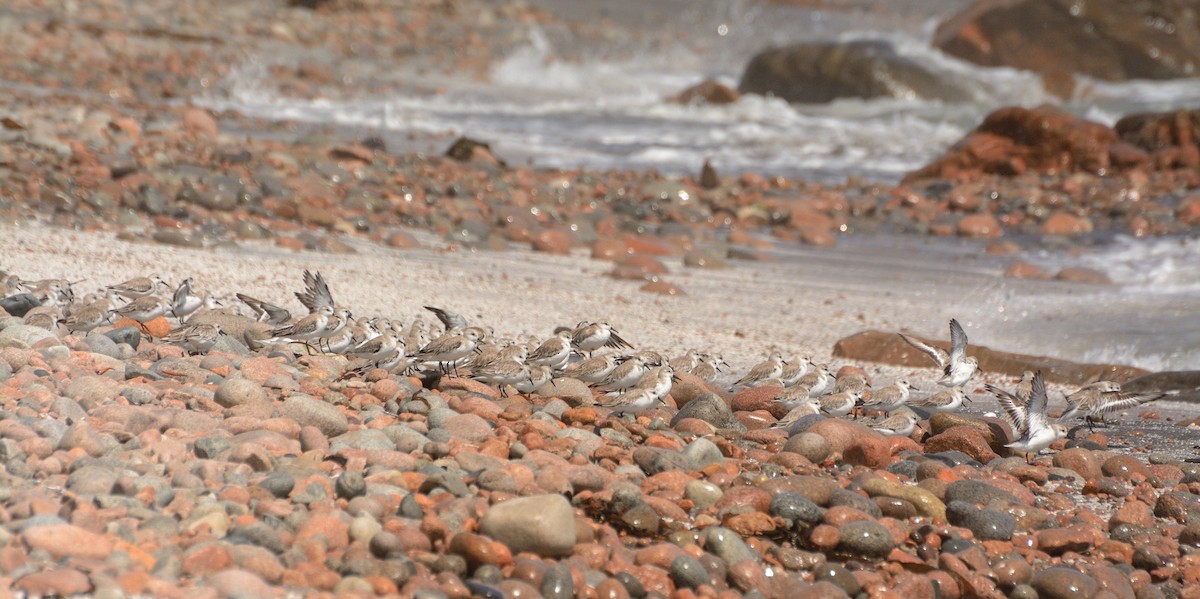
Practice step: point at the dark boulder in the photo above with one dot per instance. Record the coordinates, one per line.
(824, 71)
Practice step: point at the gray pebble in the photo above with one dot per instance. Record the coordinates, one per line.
(278, 484)
(557, 583)
(795, 507)
(870, 540)
(130, 336)
(988, 525)
(687, 572)
(350, 485)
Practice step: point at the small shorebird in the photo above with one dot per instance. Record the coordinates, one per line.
(889, 398)
(818, 380)
(1028, 417)
(592, 370)
(1094, 400)
(308, 328)
(86, 318)
(686, 362)
(588, 337)
(537, 377)
(448, 349)
(183, 301)
(708, 368)
(792, 371)
(143, 310)
(195, 338)
(627, 374)
(901, 424)
(653, 388)
(839, 404)
(853, 382)
(807, 407)
(772, 368)
(502, 373)
(376, 348)
(553, 352)
(794, 397)
(948, 400)
(957, 367)
(139, 287)
(43, 317)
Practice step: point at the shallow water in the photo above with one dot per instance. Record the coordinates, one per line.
(1149, 318)
(561, 101)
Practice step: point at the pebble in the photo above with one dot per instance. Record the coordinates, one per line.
(866, 539)
(541, 524)
(1063, 583)
(987, 525)
(308, 411)
(687, 572)
(239, 391)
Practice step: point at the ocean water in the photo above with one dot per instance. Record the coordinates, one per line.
(558, 101)
(601, 102)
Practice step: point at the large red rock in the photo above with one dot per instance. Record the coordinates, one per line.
(841, 434)
(1013, 140)
(1172, 139)
(1114, 40)
(966, 439)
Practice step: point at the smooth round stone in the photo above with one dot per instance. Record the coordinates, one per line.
(727, 545)
(812, 446)
(542, 524)
(208, 448)
(350, 485)
(488, 574)
(956, 545)
(988, 525)
(642, 519)
(239, 391)
(703, 452)
(867, 539)
(687, 572)
(702, 493)
(483, 589)
(894, 507)
(1024, 591)
(409, 508)
(632, 585)
(557, 583)
(278, 484)
(905, 468)
(851, 499)
(795, 507)
(1063, 583)
(1012, 571)
(839, 576)
(364, 528)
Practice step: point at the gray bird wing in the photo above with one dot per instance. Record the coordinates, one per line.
(958, 342)
(1038, 399)
(940, 357)
(1015, 409)
(450, 320)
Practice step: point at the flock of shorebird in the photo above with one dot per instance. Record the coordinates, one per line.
(591, 352)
